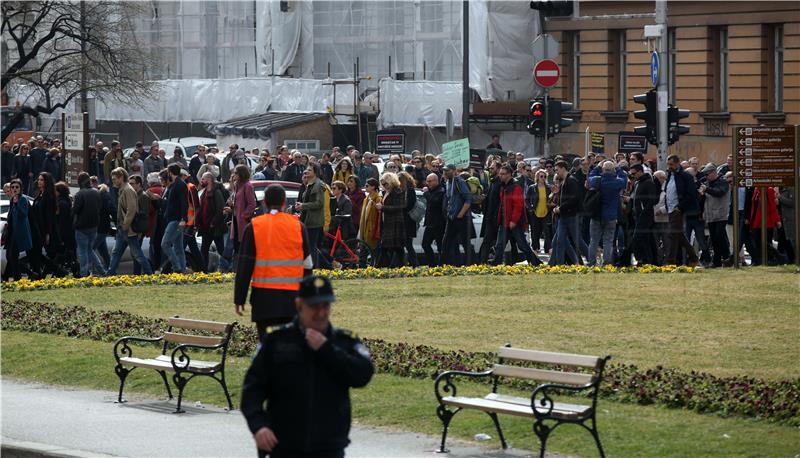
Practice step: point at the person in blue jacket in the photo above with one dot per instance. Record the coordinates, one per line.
(611, 181)
(18, 235)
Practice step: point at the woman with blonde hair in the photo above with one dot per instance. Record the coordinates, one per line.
(393, 229)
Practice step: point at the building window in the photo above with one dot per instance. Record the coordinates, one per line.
(719, 37)
(672, 68)
(777, 68)
(304, 146)
(618, 61)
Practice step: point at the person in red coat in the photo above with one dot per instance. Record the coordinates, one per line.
(773, 220)
(512, 218)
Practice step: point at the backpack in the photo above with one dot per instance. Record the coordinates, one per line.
(593, 203)
(418, 211)
(475, 188)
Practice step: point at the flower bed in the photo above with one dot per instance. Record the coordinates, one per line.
(345, 274)
(701, 392)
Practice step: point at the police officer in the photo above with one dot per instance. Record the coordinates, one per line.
(303, 370)
(273, 259)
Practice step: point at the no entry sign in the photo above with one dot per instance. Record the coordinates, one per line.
(546, 73)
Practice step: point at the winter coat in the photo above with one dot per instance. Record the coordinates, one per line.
(610, 186)
(645, 197)
(86, 208)
(393, 230)
(512, 206)
(772, 209)
(313, 200)
(434, 208)
(357, 198)
(343, 217)
(243, 207)
(688, 199)
(787, 203)
(717, 202)
(411, 200)
(127, 207)
(20, 226)
(369, 227)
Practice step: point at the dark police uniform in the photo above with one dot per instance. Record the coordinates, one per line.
(306, 391)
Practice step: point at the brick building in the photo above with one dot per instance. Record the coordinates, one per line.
(730, 63)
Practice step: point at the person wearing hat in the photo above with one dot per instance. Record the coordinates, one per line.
(303, 372)
(274, 257)
(456, 232)
(715, 211)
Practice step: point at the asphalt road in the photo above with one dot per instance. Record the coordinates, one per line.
(55, 421)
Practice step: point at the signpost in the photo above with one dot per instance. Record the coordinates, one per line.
(390, 143)
(75, 137)
(766, 156)
(456, 153)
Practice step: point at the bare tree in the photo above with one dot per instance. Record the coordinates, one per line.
(57, 49)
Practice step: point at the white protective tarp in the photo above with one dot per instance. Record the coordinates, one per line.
(220, 100)
(285, 38)
(418, 103)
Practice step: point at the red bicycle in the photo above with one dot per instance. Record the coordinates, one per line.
(351, 253)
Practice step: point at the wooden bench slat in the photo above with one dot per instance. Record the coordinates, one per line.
(213, 326)
(486, 405)
(569, 378)
(164, 363)
(566, 359)
(190, 339)
(563, 407)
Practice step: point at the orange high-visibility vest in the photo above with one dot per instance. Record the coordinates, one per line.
(191, 210)
(279, 252)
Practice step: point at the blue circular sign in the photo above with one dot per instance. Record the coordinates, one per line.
(654, 65)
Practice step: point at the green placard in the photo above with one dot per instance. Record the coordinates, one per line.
(456, 153)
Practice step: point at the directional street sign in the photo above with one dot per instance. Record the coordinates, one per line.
(654, 64)
(766, 155)
(546, 73)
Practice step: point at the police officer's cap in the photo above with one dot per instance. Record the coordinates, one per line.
(316, 289)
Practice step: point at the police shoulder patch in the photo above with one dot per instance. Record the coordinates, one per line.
(279, 327)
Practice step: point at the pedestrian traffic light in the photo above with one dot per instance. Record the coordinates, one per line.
(674, 116)
(649, 115)
(536, 124)
(555, 111)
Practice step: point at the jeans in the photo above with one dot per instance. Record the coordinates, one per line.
(219, 243)
(605, 231)
(565, 240)
(698, 226)
(518, 234)
(432, 234)
(456, 234)
(719, 240)
(85, 239)
(676, 240)
(101, 248)
(122, 242)
(172, 247)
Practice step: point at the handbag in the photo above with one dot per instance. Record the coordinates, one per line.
(418, 211)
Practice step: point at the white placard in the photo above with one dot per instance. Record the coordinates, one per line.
(74, 122)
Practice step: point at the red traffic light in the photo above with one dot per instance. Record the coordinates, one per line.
(536, 109)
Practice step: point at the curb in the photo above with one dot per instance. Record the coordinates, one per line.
(10, 448)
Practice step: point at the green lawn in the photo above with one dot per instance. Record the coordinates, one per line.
(395, 402)
(720, 321)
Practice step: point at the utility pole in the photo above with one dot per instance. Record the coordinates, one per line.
(465, 72)
(663, 87)
(84, 101)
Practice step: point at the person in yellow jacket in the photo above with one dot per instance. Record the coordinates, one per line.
(369, 228)
(273, 260)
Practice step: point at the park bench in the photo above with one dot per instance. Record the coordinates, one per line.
(568, 373)
(178, 353)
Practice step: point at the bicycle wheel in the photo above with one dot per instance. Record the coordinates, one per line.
(365, 256)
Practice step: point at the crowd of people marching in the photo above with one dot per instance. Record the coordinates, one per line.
(591, 210)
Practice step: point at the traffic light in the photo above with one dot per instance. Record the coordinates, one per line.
(674, 116)
(537, 126)
(649, 115)
(556, 109)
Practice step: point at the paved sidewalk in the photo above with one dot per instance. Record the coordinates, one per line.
(73, 422)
